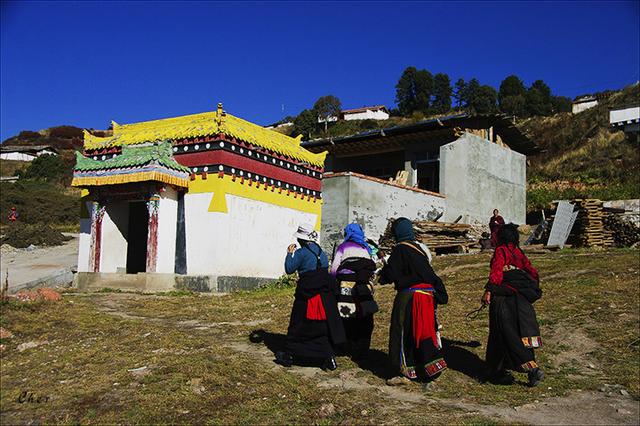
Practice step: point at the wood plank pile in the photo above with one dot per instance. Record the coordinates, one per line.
(437, 235)
(625, 233)
(589, 229)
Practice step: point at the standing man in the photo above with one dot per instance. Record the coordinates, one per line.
(495, 223)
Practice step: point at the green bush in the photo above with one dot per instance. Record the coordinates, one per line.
(39, 202)
(285, 281)
(49, 167)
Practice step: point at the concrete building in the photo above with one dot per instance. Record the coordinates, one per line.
(583, 103)
(626, 119)
(460, 166)
(377, 112)
(206, 201)
(25, 153)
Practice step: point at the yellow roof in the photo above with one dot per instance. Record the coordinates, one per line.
(204, 124)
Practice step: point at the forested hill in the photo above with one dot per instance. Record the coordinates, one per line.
(582, 155)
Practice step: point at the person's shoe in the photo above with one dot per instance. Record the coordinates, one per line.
(503, 378)
(330, 364)
(283, 358)
(398, 381)
(535, 377)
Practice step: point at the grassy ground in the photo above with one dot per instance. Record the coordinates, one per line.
(201, 367)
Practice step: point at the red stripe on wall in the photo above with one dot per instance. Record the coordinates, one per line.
(197, 159)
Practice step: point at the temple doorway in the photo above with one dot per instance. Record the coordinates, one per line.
(137, 237)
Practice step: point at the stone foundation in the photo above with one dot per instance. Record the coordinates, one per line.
(155, 282)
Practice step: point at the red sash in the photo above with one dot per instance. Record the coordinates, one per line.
(315, 309)
(423, 314)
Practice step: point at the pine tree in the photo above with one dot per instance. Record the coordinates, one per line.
(511, 96)
(305, 123)
(460, 93)
(413, 91)
(406, 91)
(441, 94)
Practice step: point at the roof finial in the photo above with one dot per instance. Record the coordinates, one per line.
(220, 114)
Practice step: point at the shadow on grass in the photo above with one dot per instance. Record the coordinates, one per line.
(466, 362)
(275, 342)
(377, 362)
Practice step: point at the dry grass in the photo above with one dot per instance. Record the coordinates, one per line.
(588, 314)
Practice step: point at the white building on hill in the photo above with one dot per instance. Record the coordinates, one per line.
(378, 112)
(583, 103)
(25, 153)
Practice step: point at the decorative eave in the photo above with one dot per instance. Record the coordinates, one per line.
(150, 162)
(204, 125)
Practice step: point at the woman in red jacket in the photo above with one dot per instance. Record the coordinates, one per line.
(512, 289)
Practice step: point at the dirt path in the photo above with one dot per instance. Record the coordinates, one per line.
(26, 266)
(610, 406)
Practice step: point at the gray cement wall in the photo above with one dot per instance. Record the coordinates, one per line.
(350, 197)
(478, 176)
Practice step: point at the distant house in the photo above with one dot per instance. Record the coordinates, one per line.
(583, 103)
(378, 112)
(25, 153)
(279, 125)
(626, 119)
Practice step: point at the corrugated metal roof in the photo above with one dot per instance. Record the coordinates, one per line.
(513, 137)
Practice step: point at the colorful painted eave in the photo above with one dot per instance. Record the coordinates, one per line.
(149, 162)
(202, 125)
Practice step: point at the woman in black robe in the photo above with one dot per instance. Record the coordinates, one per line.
(514, 333)
(315, 327)
(414, 341)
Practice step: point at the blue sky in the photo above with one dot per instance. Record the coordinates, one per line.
(87, 63)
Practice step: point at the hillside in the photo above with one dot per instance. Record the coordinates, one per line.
(582, 156)
(59, 137)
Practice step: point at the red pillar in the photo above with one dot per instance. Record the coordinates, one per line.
(152, 237)
(97, 213)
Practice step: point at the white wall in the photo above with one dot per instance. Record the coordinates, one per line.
(249, 241)
(167, 218)
(115, 228)
(84, 241)
(367, 115)
(478, 176)
(17, 156)
(624, 116)
(583, 106)
(371, 203)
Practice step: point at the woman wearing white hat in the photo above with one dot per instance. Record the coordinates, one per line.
(315, 326)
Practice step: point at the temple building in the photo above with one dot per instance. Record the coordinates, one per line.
(206, 201)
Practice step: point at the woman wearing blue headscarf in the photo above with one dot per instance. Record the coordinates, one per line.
(353, 268)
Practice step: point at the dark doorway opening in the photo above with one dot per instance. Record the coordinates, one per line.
(137, 238)
(429, 175)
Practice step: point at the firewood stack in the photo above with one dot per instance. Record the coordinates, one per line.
(589, 228)
(437, 236)
(625, 234)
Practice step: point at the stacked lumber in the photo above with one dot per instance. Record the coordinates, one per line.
(438, 236)
(589, 229)
(625, 233)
